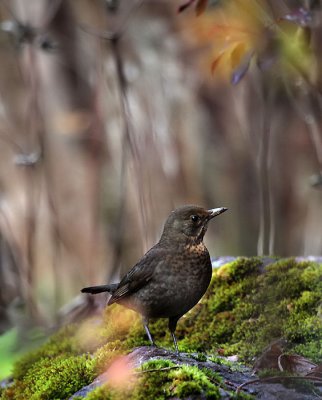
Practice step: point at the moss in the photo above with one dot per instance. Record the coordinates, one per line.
(104, 355)
(53, 378)
(60, 343)
(245, 308)
(242, 313)
(162, 379)
(287, 309)
(239, 269)
(213, 376)
(191, 381)
(233, 365)
(56, 364)
(157, 364)
(103, 393)
(199, 357)
(117, 322)
(310, 349)
(180, 382)
(240, 396)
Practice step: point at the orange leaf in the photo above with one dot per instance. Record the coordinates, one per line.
(239, 73)
(215, 63)
(237, 53)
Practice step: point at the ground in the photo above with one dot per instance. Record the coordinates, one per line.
(250, 304)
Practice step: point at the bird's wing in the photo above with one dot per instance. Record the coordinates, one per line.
(139, 275)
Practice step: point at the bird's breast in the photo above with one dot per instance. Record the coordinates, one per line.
(197, 266)
(178, 284)
(195, 249)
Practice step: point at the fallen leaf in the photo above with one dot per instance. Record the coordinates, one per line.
(316, 372)
(295, 363)
(269, 358)
(215, 63)
(239, 73)
(201, 6)
(185, 5)
(273, 357)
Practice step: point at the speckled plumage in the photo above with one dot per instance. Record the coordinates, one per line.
(173, 275)
(177, 280)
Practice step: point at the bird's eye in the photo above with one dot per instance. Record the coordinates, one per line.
(194, 218)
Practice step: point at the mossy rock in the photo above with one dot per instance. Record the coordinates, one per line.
(245, 308)
(162, 379)
(52, 378)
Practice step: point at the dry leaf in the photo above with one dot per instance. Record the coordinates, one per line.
(295, 363)
(269, 358)
(201, 6)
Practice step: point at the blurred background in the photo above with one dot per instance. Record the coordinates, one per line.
(114, 112)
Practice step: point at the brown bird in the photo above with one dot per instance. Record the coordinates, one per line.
(173, 275)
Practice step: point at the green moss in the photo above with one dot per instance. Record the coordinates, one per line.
(166, 382)
(104, 393)
(233, 365)
(245, 308)
(242, 313)
(9, 352)
(53, 378)
(56, 365)
(104, 355)
(157, 364)
(199, 357)
(285, 308)
(239, 269)
(190, 380)
(117, 322)
(62, 342)
(240, 396)
(162, 379)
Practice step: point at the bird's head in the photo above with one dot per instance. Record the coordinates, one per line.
(189, 223)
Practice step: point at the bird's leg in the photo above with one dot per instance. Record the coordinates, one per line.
(147, 330)
(172, 327)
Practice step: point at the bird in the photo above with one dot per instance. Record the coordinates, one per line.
(172, 276)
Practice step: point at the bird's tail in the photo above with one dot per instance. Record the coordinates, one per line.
(100, 289)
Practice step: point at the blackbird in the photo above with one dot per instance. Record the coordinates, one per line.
(173, 275)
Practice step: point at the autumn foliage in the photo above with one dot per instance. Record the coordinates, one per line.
(239, 33)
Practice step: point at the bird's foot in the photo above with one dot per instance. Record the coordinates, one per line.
(175, 343)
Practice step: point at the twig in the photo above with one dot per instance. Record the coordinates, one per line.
(277, 379)
(157, 369)
(111, 35)
(114, 37)
(266, 223)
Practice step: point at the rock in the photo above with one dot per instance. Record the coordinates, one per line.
(232, 379)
